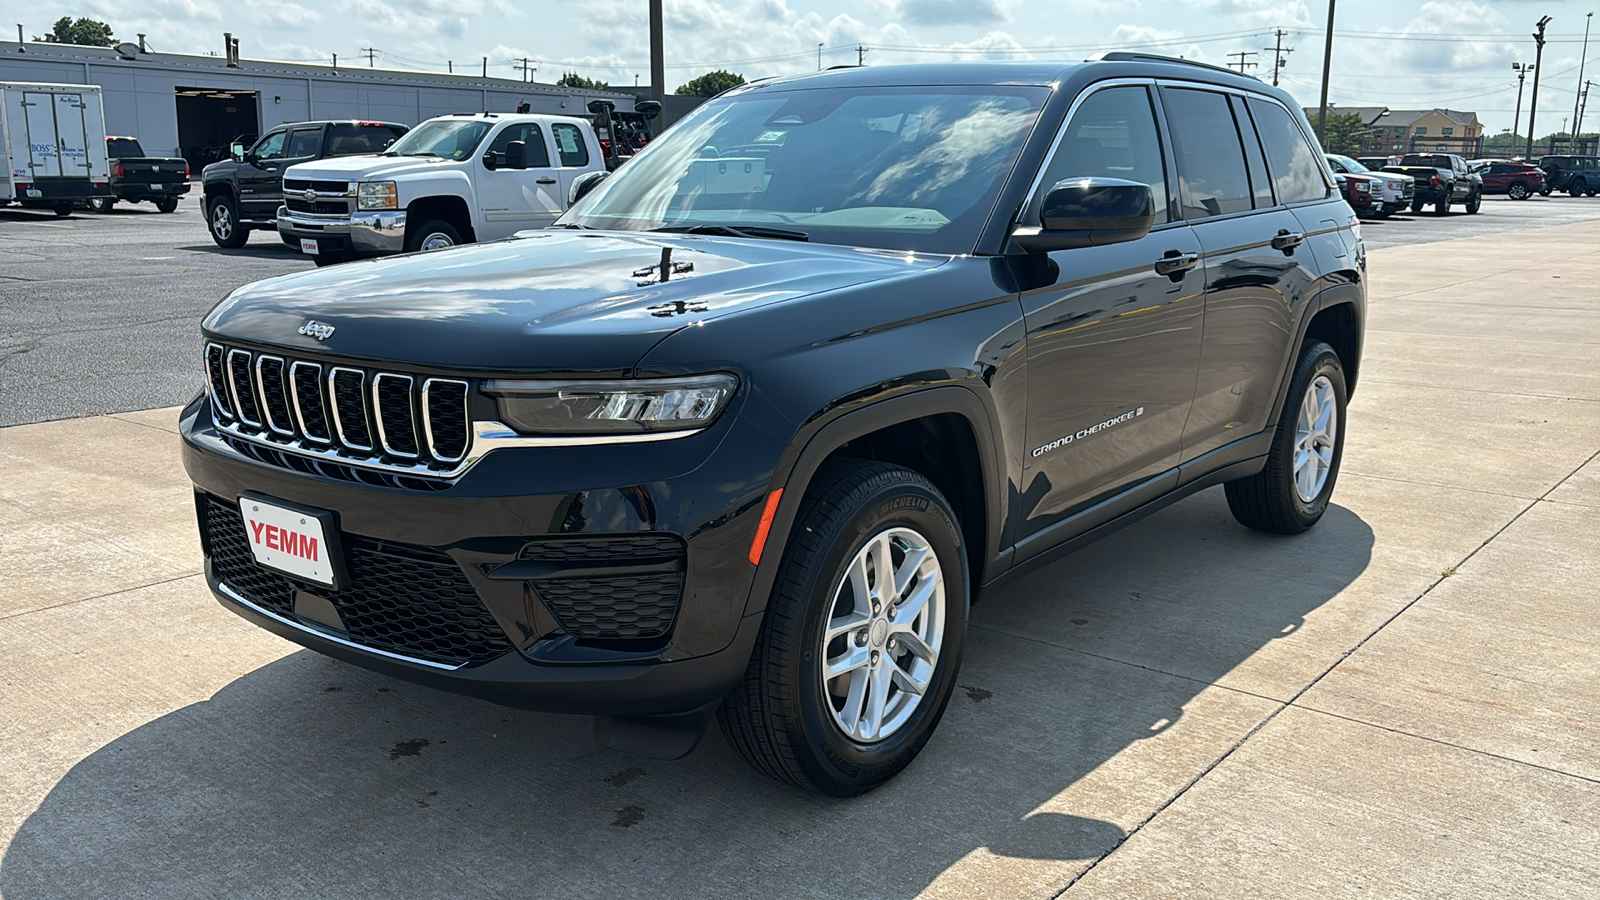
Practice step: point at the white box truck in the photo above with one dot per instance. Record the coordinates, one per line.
(55, 141)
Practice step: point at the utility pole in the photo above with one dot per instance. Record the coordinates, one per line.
(861, 55)
(658, 62)
(369, 52)
(1578, 95)
(1327, 64)
(486, 67)
(1280, 55)
(1242, 62)
(1583, 106)
(1522, 70)
(528, 67)
(1538, 63)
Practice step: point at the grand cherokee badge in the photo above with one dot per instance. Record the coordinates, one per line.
(318, 330)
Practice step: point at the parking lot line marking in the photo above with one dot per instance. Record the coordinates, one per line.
(49, 225)
(154, 257)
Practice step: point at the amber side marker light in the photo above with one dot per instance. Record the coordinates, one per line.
(760, 542)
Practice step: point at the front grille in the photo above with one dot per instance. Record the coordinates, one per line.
(361, 417)
(414, 601)
(322, 187)
(331, 198)
(317, 207)
(610, 587)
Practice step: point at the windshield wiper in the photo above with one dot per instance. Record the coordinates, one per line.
(573, 225)
(744, 231)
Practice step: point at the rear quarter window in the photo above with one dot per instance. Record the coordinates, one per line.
(1293, 161)
(570, 145)
(352, 139)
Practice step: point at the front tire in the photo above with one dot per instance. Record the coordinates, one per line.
(1474, 202)
(1291, 492)
(436, 234)
(863, 634)
(1517, 191)
(222, 220)
(1416, 206)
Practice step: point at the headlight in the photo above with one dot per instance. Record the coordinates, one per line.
(1363, 188)
(376, 195)
(611, 407)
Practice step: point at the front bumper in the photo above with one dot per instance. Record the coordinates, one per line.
(480, 529)
(373, 233)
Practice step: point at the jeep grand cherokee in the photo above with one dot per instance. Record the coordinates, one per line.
(749, 429)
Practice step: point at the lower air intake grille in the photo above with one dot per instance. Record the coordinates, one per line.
(615, 587)
(404, 599)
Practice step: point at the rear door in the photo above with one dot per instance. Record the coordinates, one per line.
(72, 130)
(44, 145)
(1113, 332)
(511, 200)
(1236, 194)
(573, 156)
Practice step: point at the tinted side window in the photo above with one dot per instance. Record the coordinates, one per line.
(1260, 184)
(569, 144)
(529, 133)
(350, 139)
(1112, 135)
(1291, 157)
(271, 146)
(303, 142)
(1211, 167)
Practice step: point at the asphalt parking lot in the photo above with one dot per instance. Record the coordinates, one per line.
(115, 300)
(1400, 702)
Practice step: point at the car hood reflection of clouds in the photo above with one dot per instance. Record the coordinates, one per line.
(547, 301)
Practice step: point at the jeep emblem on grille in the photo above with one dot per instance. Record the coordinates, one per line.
(319, 330)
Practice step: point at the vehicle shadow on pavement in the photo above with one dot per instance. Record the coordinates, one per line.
(262, 250)
(311, 777)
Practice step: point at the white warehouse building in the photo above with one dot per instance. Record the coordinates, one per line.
(194, 106)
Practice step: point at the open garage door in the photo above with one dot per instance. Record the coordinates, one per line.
(209, 119)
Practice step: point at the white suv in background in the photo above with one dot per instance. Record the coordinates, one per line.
(451, 180)
(1398, 189)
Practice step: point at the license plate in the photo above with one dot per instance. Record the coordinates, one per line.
(35, 193)
(292, 541)
(308, 246)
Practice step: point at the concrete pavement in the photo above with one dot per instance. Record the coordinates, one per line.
(1399, 703)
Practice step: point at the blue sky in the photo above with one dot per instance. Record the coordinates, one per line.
(1396, 53)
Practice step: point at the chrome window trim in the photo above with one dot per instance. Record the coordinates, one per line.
(233, 386)
(377, 414)
(333, 399)
(1061, 134)
(211, 386)
(299, 410)
(427, 418)
(329, 634)
(261, 392)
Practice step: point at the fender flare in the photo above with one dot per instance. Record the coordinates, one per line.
(1345, 294)
(806, 453)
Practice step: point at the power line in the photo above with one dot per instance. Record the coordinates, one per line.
(1243, 62)
(370, 52)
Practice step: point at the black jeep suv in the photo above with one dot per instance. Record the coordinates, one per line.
(748, 430)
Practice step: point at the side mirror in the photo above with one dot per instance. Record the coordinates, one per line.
(488, 160)
(648, 108)
(237, 152)
(517, 155)
(1089, 212)
(583, 184)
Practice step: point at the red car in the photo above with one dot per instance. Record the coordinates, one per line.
(1364, 193)
(1515, 180)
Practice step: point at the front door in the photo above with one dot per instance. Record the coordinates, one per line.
(513, 200)
(1113, 334)
(261, 179)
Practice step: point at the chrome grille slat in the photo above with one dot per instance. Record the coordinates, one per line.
(310, 410)
(244, 402)
(341, 399)
(391, 407)
(269, 382)
(445, 418)
(217, 380)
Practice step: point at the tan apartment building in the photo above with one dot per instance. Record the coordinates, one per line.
(1394, 131)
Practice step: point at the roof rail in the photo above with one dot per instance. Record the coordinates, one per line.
(1134, 55)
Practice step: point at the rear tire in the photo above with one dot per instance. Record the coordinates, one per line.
(222, 220)
(1441, 206)
(1291, 491)
(435, 234)
(1416, 206)
(1575, 189)
(62, 210)
(846, 733)
(1517, 191)
(167, 204)
(100, 204)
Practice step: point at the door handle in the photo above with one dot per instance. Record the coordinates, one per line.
(1287, 240)
(545, 180)
(1175, 263)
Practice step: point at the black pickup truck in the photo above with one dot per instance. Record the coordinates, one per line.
(136, 177)
(243, 193)
(1442, 179)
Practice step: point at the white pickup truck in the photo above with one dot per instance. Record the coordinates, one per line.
(451, 180)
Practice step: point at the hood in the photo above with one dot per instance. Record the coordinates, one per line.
(543, 301)
(363, 168)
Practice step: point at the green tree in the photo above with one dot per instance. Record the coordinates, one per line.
(574, 80)
(1339, 133)
(710, 84)
(88, 32)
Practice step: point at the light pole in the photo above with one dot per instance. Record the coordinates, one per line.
(1327, 62)
(1522, 70)
(819, 56)
(1533, 104)
(1578, 95)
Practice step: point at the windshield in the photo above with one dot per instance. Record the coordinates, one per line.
(444, 138)
(901, 168)
(1352, 165)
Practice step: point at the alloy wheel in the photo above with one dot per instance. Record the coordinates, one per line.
(437, 241)
(882, 635)
(1316, 432)
(221, 222)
